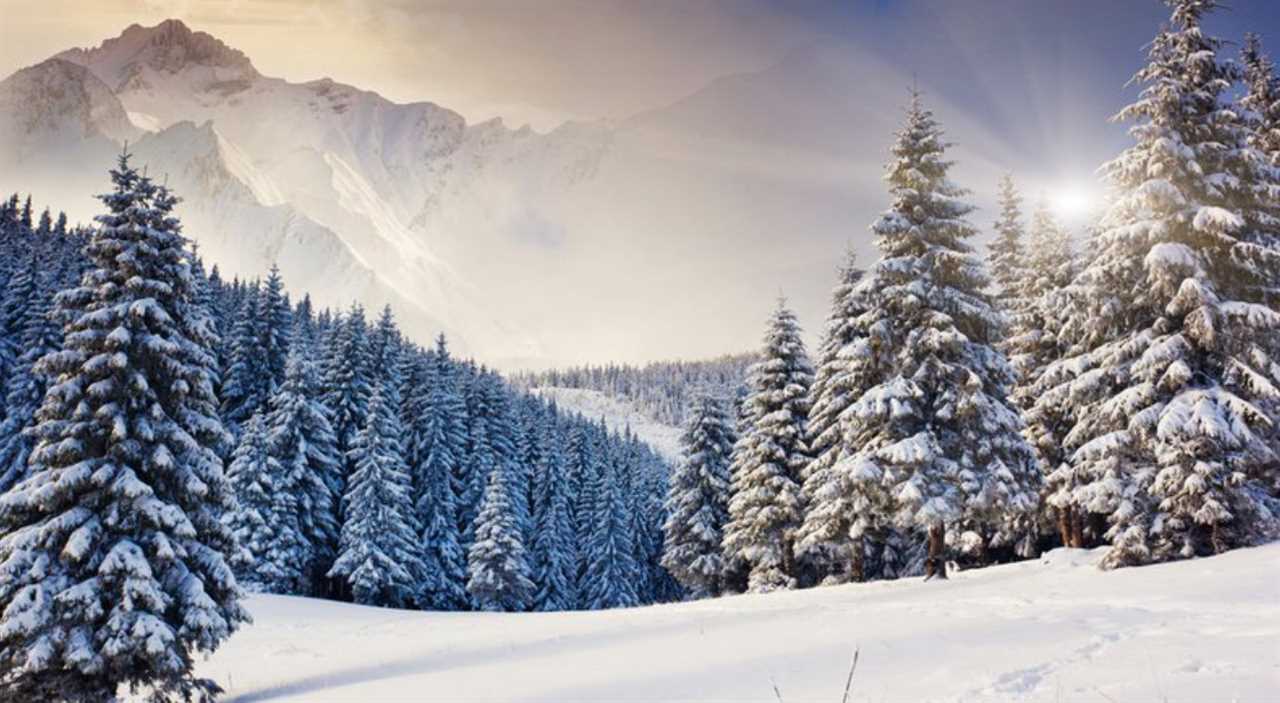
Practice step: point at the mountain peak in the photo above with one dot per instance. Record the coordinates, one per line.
(169, 47)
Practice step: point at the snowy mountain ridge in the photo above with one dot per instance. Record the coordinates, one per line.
(362, 180)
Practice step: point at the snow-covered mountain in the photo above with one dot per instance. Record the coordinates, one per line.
(340, 186)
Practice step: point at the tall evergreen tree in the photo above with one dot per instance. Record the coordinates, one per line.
(25, 389)
(935, 439)
(609, 574)
(380, 555)
(497, 563)
(555, 554)
(1007, 255)
(272, 556)
(245, 379)
(304, 448)
(1171, 371)
(698, 498)
(113, 570)
(765, 504)
(275, 328)
(348, 382)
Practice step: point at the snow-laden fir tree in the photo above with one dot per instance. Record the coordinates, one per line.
(273, 556)
(379, 552)
(246, 378)
(276, 326)
(698, 499)
(16, 298)
(25, 388)
(844, 519)
(438, 436)
(1172, 371)
(1036, 339)
(1261, 99)
(1006, 252)
(303, 446)
(498, 571)
(765, 504)
(555, 553)
(935, 440)
(113, 567)
(608, 575)
(348, 381)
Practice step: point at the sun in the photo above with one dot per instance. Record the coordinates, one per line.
(1072, 201)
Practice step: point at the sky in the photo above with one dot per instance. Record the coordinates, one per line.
(794, 100)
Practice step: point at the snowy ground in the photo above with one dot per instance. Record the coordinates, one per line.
(618, 415)
(1050, 630)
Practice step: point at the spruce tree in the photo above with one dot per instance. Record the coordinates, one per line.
(439, 441)
(765, 504)
(244, 381)
(348, 382)
(276, 326)
(608, 571)
(380, 556)
(113, 567)
(555, 555)
(272, 557)
(498, 572)
(935, 440)
(697, 502)
(25, 389)
(1171, 373)
(1006, 251)
(305, 451)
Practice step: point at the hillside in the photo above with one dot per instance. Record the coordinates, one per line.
(1051, 630)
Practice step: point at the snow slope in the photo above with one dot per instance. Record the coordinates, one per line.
(1053, 630)
(618, 415)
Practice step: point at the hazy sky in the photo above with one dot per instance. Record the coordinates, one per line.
(804, 94)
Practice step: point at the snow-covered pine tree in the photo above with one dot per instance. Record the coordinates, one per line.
(348, 382)
(25, 387)
(380, 555)
(1173, 369)
(498, 572)
(303, 446)
(275, 328)
(1006, 253)
(245, 379)
(764, 503)
(935, 440)
(1261, 99)
(1034, 341)
(555, 553)
(608, 575)
(439, 436)
(113, 566)
(273, 552)
(844, 519)
(698, 500)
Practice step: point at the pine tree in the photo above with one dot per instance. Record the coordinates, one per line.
(380, 555)
(272, 558)
(555, 555)
(348, 382)
(608, 572)
(25, 389)
(1007, 255)
(1261, 99)
(935, 441)
(276, 323)
(439, 441)
(497, 564)
(303, 445)
(113, 569)
(764, 507)
(245, 378)
(841, 513)
(1171, 371)
(697, 503)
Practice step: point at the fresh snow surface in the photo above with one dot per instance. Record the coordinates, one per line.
(618, 415)
(1054, 629)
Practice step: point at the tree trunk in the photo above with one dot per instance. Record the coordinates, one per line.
(858, 561)
(935, 565)
(1066, 516)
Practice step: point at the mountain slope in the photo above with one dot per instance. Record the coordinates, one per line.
(1051, 630)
